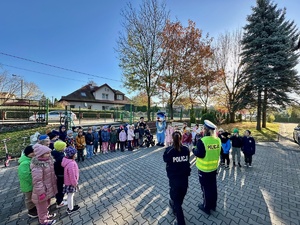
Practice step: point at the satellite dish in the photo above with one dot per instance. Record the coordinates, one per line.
(85, 104)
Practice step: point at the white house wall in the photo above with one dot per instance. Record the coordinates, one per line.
(94, 106)
(104, 90)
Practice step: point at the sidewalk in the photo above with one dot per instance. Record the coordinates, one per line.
(132, 188)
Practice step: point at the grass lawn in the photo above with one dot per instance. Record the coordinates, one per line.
(15, 144)
(266, 134)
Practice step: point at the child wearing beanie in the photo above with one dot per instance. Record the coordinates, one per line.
(237, 143)
(58, 155)
(71, 176)
(70, 139)
(25, 178)
(44, 182)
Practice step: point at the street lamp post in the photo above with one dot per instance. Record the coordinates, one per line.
(22, 84)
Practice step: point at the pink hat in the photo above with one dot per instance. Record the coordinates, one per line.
(40, 150)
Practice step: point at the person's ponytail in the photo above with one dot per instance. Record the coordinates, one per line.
(177, 137)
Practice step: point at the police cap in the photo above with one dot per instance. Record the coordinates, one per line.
(209, 125)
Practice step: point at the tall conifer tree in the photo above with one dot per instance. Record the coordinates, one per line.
(269, 57)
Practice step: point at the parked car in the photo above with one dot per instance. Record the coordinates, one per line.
(296, 134)
(52, 116)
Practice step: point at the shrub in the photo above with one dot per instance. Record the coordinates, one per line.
(208, 116)
(271, 118)
(192, 115)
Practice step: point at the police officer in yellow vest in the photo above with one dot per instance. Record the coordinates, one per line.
(208, 153)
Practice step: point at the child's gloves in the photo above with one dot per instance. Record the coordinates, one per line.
(42, 197)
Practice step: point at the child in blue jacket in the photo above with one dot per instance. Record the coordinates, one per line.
(226, 146)
(248, 148)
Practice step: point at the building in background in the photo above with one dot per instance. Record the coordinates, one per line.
(96, 97)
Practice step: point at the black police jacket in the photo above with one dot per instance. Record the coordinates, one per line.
(178, 162)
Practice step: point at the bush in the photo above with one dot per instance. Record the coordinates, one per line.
(271, 118)
(208, 116)
(192, 115)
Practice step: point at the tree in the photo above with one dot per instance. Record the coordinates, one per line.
(269, 58)
(31, 91)
(207, 82)
(141, 99)
(228, 59)
(12, 86)
(139, 47)
(202, 76)
(8, 87)
(182, 48)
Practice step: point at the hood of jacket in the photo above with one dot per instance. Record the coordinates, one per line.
(65, 162)
(39, 163)
(40, 150)
(24, 158)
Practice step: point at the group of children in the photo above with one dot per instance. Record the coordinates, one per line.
(233, 142)
(45, 173)
(47, 167)
(43, 177)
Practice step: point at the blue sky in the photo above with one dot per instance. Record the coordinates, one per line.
(82, 35)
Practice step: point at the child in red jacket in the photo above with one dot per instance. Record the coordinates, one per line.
(71, 176)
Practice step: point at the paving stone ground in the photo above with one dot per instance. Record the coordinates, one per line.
(131, 188)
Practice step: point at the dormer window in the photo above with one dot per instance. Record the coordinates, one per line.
(83, 94)
(119, 97)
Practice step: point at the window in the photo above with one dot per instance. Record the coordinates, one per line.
(120, 97)
(105, 107)
(104, 96)
(83, 94)
(72, 106)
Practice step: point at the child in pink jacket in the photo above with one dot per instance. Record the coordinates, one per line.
(130, 137)
(44, 182)
(169, 132)
(122, 138)
(71, 176)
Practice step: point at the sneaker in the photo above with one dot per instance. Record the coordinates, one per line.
(51, 216)
(250, 165)
(62, 204)
(32, 213)
(49, 222)
(246, 164)
(226, 167)
(75, 208)
(239, 165)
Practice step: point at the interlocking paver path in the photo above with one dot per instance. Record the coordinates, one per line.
(132, 188)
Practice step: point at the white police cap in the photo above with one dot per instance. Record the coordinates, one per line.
(209, 125)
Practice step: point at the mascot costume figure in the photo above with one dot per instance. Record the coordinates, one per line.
(161, 128)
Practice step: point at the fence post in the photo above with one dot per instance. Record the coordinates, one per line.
(79, 115)
(47, 110)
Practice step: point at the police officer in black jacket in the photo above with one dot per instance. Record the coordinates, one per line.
(178, 169)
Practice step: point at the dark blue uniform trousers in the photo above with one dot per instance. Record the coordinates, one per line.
(208, 182)
(178, 189)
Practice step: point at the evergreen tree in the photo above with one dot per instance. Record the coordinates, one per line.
(269, 58)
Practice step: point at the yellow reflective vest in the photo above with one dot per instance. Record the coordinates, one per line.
(213, 149)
